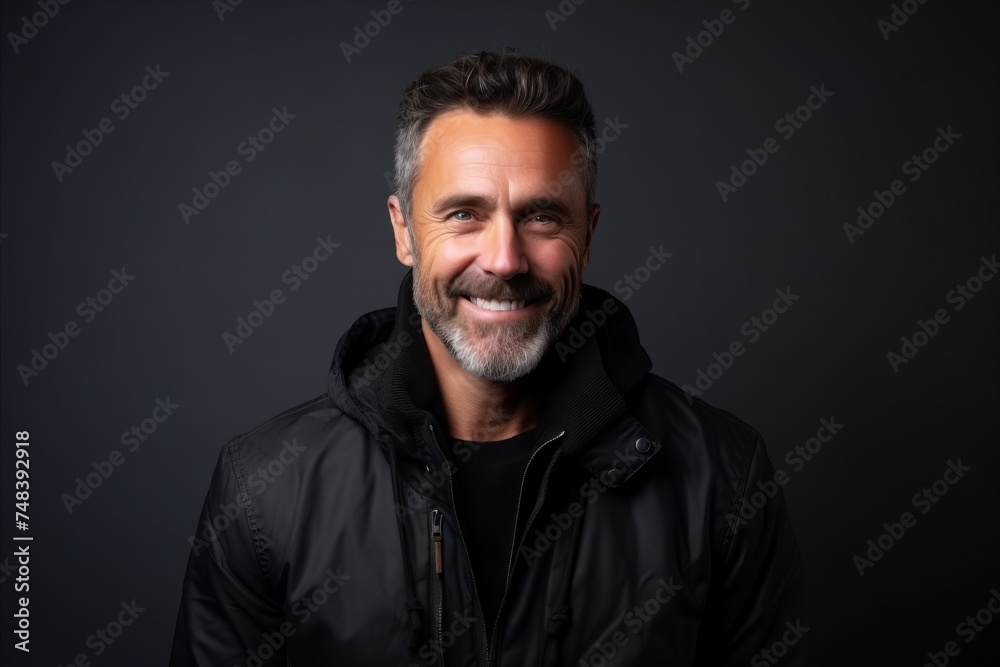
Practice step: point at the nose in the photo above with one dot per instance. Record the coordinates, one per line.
(502, 250)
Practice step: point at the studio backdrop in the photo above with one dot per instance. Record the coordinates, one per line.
(799, 208)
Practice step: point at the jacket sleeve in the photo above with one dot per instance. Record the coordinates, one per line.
(757, 611)
(227, 613)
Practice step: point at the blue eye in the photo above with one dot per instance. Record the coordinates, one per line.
(458, 213)
(541, 218)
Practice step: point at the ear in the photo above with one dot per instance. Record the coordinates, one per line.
(404, 253)
(595, 215)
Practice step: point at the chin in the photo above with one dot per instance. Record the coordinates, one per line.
(499, 358)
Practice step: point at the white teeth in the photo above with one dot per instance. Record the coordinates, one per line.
(497, 305)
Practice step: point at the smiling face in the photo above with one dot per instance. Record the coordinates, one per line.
(499, 239)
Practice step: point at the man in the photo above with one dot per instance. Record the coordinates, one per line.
(494, 477)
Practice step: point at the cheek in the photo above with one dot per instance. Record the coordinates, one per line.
(556, 258)
(441, 256)
(448, 262)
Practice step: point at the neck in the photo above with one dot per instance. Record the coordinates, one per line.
(478, 409)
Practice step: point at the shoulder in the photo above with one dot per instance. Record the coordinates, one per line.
(267, 440)
(709, 455)
(691, 426)
(273, 460)
(304, 455)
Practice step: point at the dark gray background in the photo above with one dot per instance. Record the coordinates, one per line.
(324, 175)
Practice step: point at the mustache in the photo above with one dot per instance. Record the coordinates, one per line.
(519, 287)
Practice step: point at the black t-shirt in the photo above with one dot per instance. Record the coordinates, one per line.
(488, 481)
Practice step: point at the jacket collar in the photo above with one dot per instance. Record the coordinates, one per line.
(382, 376)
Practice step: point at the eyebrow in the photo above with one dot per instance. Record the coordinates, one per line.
(532, 204)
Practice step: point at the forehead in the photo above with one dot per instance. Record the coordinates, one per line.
(463, 142)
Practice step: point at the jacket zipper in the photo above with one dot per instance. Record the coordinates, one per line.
(483, 646)
(514, 546)
(437, 593)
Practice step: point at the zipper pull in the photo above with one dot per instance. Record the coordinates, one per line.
(437, 519)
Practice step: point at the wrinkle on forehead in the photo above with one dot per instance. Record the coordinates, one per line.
(468, 147)
(455, 130)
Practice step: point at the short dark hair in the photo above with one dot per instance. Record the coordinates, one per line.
(508, 83)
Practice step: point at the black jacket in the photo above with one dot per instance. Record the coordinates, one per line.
(319, 539)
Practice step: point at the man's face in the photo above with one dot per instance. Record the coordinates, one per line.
(500, 234)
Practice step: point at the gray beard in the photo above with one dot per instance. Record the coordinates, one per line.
(494, 352)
